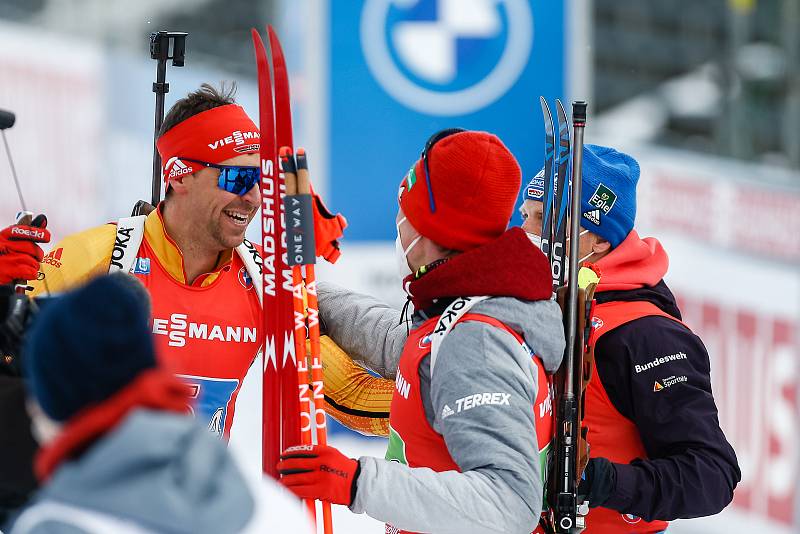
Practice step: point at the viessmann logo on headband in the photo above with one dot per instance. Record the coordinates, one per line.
(240, 139)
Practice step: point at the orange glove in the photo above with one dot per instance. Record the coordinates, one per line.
(328, 229)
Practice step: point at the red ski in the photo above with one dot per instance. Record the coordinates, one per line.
(281, 422)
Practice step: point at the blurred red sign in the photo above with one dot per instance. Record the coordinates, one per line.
(755, 363)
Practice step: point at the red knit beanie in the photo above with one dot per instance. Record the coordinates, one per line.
(475, 181)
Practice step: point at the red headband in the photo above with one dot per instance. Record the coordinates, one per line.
(212, 136)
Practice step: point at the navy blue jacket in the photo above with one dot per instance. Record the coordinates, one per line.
(692, 469)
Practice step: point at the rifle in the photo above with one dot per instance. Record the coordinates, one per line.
(161, 43)
(571, 451)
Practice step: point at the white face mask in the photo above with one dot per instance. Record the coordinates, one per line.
(589, 255)
(400, 255)
(535, 239)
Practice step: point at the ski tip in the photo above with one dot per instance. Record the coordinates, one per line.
(271, 32)
(256, 37)
(274, 42)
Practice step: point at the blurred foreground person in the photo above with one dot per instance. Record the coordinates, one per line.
(471, 416)
(20, 255)
(119, 453)
(656, 447)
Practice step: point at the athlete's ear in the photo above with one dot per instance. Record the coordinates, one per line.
(180, 183)
(600, 245)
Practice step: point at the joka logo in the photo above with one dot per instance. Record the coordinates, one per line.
(603, 198)
(592, 216)
(244, 278)
(54, 258)
(120, 244)
(446, 57)
(141, 266)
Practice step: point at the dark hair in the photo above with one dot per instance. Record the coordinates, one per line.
(205, 98)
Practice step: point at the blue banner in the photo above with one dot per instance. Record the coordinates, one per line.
(401, 70)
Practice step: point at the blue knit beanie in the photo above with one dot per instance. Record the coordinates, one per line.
(88, 344)
(608, 192)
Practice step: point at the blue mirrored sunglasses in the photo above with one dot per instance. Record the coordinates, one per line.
(234, 179)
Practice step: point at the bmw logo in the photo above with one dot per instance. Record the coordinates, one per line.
(446, 57)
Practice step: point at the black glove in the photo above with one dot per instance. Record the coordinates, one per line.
(597, 483)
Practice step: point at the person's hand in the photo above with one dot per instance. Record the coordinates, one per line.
(597, 482)
(319, 472)
(20, 253)
(328, 228)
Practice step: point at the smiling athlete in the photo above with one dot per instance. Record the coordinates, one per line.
(192, 256)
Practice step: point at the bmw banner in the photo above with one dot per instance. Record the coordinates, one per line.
(401, 70)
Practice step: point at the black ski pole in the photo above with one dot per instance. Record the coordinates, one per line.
(566, 518)
(160, 51)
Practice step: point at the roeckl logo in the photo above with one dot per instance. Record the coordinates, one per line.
(120, 244)
(237, 137)
(27, 232)
(338, 472)
(178, 328)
